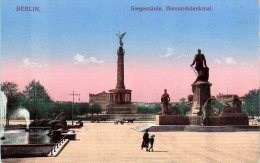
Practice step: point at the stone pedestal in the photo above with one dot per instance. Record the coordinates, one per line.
(121, 109)
(177, 120)
(234, 119)
(120, 96)
(201, 92)
(120, 102)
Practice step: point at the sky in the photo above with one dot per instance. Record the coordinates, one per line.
(71, 46)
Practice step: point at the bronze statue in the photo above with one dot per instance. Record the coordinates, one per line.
(206, 111)
(201, 67)
(121, 36)
(59, 121)
(165, 99)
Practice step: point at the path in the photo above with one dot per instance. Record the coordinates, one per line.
(106, 142)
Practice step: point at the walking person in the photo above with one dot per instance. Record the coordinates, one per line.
(151, 141)
(145, 142)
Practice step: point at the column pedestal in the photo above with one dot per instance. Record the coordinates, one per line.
(201, 92)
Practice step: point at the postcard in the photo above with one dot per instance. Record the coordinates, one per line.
(129, 81)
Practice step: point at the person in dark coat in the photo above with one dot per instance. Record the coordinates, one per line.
(145, 142)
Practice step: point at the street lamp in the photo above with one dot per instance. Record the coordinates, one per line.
(72, 106)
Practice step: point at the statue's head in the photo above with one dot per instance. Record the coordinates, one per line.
(199, 51)
(165, 90)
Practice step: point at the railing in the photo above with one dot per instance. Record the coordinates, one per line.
(53, 149)
(139, 117)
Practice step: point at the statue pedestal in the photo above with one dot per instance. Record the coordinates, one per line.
(235, 119)
(121, 109)
(120, 102)
(201, 92)
(177, 120)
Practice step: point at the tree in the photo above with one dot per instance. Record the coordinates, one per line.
(182, 107)
(13, 95)
(81, 108)
(149, 109)
(95, 108)
(36, 96)
(251, 103)
(218, 106)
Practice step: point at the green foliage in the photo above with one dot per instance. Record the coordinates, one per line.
(35, 90)
(78, 109)
(251, 103)
(180, 108)
(36, 99)
(95, 109)
(218, 106)
(149, 109)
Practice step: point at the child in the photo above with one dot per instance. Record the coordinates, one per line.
(151, 141)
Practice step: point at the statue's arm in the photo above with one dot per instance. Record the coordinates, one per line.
(193, 61)
(205, 62)
(57, 118)
(169, 99)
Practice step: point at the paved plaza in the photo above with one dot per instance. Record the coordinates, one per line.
(106, 142)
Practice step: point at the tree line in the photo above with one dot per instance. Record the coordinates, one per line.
(179, 108)
(40, 105)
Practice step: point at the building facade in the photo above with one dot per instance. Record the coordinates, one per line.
(101, 99)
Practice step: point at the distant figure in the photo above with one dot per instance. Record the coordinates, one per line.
(145, 143)
(129, 120)
(165, 99)
(201, 67)
(151, 141)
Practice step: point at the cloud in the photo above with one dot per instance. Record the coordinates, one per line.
(230, 61)
(247, 64)
(94, 60)
(227, 60)
(168, 54)
(27, 63)
(217, 61)
(80, 59)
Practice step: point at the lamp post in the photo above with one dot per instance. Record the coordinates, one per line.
(72, 106)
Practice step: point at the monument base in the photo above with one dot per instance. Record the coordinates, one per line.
(228, 119)
(121, 109)
(201, 93)
(177, 120)
(222, 120)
